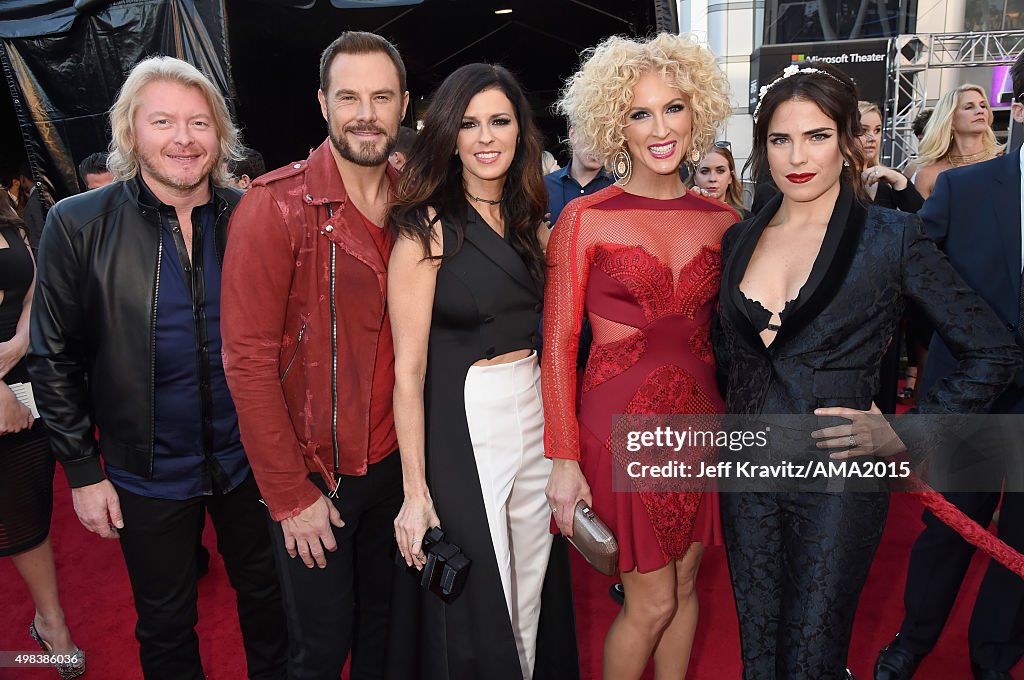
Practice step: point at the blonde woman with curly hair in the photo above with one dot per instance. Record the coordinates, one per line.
(958, 133)
(642, 259)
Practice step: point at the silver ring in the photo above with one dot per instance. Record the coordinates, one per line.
(417, 540)
(853, 441)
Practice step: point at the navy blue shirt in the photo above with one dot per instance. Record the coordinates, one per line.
(562, 188)
(196, 445)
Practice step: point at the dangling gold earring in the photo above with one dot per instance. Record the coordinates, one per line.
(622, 167)
(695, 155)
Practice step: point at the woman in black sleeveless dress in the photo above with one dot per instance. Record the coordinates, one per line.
(464, 285)
(26, 463)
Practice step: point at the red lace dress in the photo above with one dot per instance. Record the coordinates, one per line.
(646, 273)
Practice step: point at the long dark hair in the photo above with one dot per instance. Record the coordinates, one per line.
(12, 221)
(836, 96)
(432, 177)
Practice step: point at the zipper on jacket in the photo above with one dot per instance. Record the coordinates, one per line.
(334, 366)
(152, 348)
(219, 247)
(295, 353)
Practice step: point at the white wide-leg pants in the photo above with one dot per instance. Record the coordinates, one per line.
(506, 426)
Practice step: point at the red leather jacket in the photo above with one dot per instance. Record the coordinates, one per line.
(302, 307)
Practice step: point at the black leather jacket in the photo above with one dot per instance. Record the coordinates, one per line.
(872, 262)
(92, 350)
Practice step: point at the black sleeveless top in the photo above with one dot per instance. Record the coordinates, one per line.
(16, 271)
(485, 302)
(485, 305)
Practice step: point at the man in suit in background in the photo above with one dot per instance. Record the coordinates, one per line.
(983, 241)
(400, 154)
(94, 172)
(244, 171)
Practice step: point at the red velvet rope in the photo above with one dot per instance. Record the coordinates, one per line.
(972, 532)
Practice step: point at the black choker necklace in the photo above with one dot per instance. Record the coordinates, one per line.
(484, 200)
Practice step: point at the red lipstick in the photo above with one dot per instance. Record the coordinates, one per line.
(801, 178)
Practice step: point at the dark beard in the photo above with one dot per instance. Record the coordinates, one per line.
(365, 154)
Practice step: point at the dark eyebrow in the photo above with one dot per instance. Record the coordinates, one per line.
(342, 91)
(500, 114)
(815, 131)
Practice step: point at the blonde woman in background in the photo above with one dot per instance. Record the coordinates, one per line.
(886, 187)
(958, 133)
(716, 175)
(548, 164)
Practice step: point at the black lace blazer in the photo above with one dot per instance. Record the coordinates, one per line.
(872, 262)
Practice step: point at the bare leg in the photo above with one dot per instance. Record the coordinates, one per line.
(40, 575)
(672, 655)
(649, 609)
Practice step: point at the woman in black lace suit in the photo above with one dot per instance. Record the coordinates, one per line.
(26, 463)
(813, 288)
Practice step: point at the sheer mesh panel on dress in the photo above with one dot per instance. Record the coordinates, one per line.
(653, 247)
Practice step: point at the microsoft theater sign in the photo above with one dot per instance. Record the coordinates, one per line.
(862, 60)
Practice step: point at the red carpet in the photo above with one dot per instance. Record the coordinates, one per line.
(97, 602)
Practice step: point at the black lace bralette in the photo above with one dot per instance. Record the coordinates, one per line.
(761, 318)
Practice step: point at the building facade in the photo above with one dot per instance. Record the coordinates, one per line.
(755, 39)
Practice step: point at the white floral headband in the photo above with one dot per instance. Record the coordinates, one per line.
(790, 70)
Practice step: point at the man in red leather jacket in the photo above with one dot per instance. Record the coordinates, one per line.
(310, 362)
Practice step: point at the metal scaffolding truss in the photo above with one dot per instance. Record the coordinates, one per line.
(909, 61)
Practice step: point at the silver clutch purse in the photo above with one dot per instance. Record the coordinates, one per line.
(594, 540)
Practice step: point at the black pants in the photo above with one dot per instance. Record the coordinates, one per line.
(159, 542)
(798, 563)
(345, 606)
(938, 563)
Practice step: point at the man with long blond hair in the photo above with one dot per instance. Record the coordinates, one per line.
(126, 339)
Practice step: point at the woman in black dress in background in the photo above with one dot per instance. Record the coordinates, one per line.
(26, 463)
(887, 188)
(464, 294)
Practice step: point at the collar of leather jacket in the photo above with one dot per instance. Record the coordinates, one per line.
(323, 183)
(141, 195)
